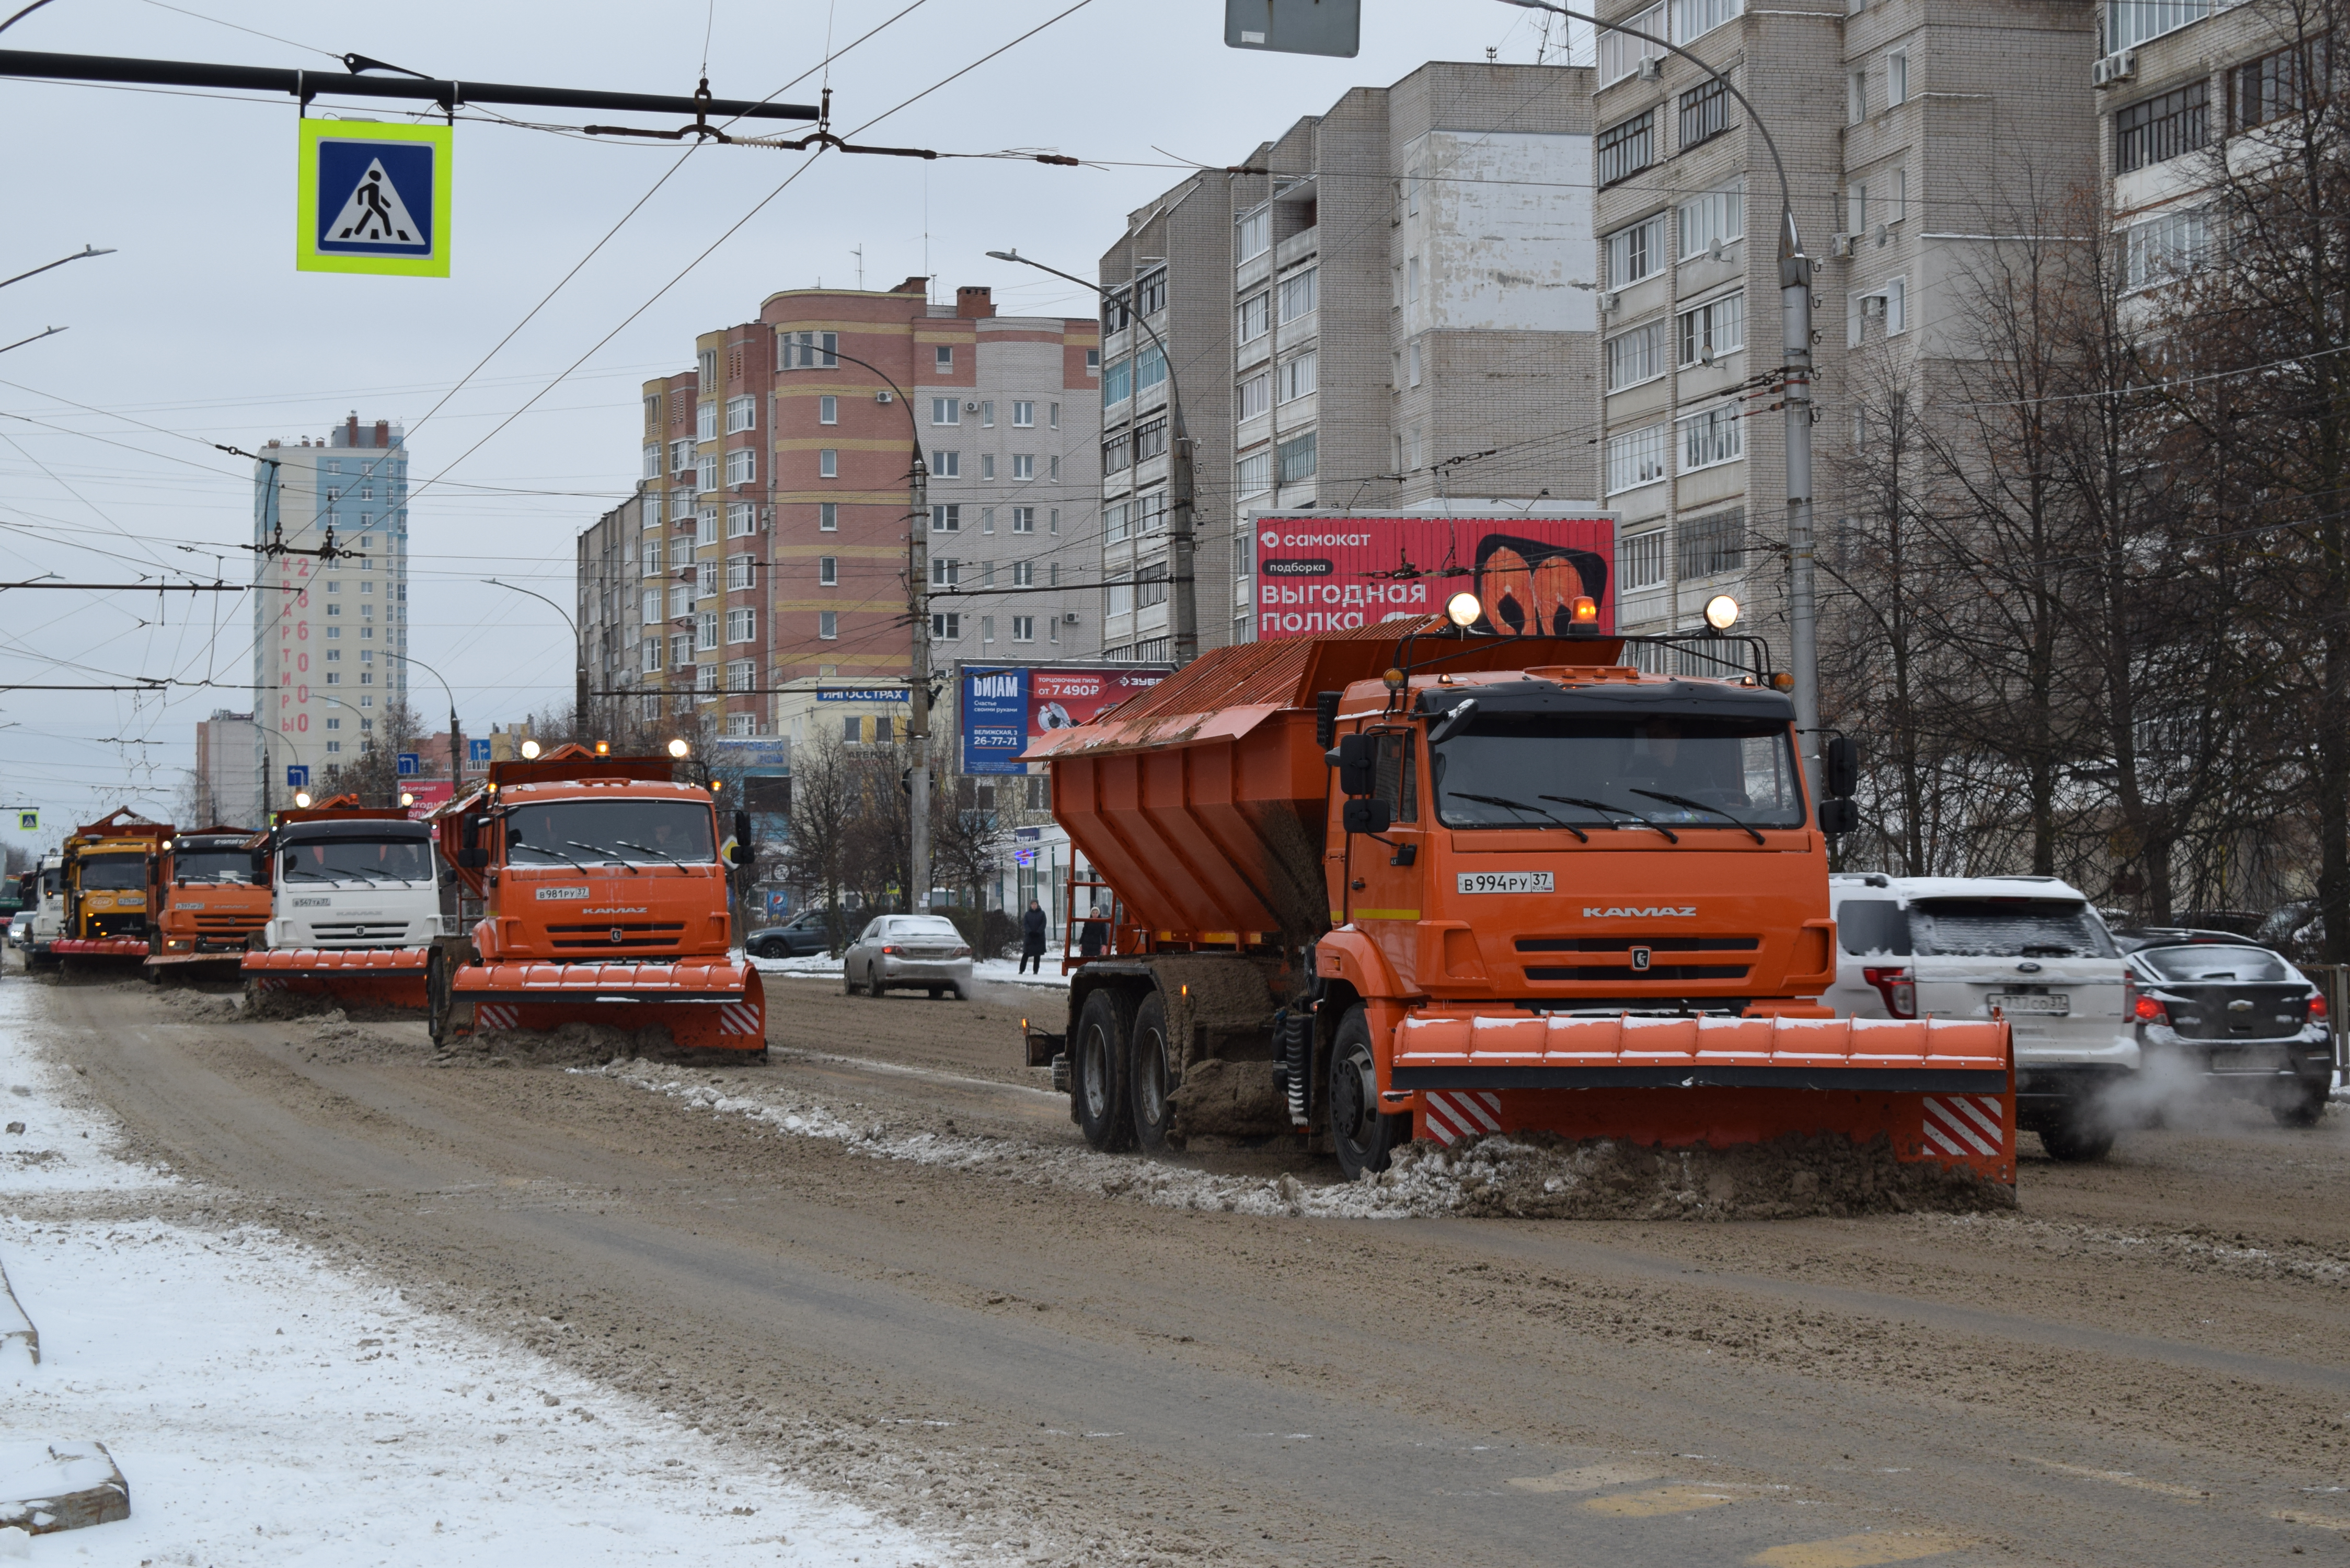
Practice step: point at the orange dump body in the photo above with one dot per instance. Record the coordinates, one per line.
(210, 905)
(1648, 972)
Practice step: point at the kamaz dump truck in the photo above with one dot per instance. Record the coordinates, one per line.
(604, 900)
(107, 869)
(1416, 882)
(354, 905)
(211, 897)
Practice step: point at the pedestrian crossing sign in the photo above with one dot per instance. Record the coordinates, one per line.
(28, 822)
(374, 198)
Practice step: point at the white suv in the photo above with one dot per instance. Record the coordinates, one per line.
(2031, 946)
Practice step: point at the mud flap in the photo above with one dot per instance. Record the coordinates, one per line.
(1939, 1091)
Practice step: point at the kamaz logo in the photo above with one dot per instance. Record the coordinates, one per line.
(1655, 912)
(546, 893)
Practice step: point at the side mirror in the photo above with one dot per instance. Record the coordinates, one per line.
(738, 854)
(743, 831)
(1841, 766)
(472, 858)
(472, 830)
(1366, 816)
(1326, 717)
(1838, 817)
(1356, 765)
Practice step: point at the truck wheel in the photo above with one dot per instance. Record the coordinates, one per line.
(437, 995)
(1151, 1075)
(1097, 1073)
(2305, 1108)
(1360, 1134)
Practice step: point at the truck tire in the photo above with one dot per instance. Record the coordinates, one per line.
(1097, 1056)
(1360, 1137)
(437, 995)
(1151, 1074)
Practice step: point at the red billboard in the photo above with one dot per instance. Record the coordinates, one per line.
(1331, 571)
(1062, 698)
(424, 796)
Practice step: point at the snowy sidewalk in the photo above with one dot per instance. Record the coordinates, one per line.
(267, 1409)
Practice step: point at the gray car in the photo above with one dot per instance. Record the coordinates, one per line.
(2237, 1018)
(910, 952)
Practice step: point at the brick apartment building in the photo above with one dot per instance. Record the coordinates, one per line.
(761, 566)
(1405, 282)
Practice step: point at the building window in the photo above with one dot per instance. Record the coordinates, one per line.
(2277, 84)
(987, 415)
(828, 463)
(1149, 368)
(649, 607)
(1118, 453)
(705, 420)
(705, 525)
(1887, 306)
(1414, 357)
(1151, 294)
(1297, 293)
(1635, 458)
(1023, 415)
(1705, 113)
(651, 649)
(742, 572)
(742, 414)
(2165, 246)
(946, 626)
(827, 624)
(742, 626)
(1624, 149)
(1714, 543)
(1024, 628)
(1896, 78)
(741, 466)
(947, 518)
(1717, 217)
(705, 577)
(1255, 318)
(943, 357)
(680, 456)
(1297, 377)
(2131, 22)
(1052, 467)
(741, 675)
(987, 466)
(827, 410)
(1120, 600)
(1053, 415)
(1024, 466)
(807, 350)
(1711, 438)
(1117, 521)
(1620, 54)
(1024, 520)
(706, 362)
(1150, 586)
(1151, 513)
(652, 558)
(1253, 235)
(1252, 474)
(1117, 314)
(1856, 97)
(1297, 462)
(1118, 383)
(742, 723)
(1255, 396)
(681, 505)
(1411, 280)
(946, 572)
(1695, 18)
(2160, 128)
(1640, 562)
(1713, 329)
(705, 631)
(1150, 440)
(828, 517)
(680, 599)
(828, 571)
(705, 678)
(652, 459)
(1024, 574)
(1093, 361)
(946, 410)
(1636, 355)
(742, 519)
(1636, 250)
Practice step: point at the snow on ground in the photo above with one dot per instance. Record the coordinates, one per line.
(267, 1409)
(817, 966)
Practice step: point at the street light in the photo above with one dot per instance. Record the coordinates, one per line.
(84, 254)
(456, 739)
(579, 715)
(1179, 539)
(1795, 319)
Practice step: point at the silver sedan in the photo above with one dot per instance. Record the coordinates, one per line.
(912, 953)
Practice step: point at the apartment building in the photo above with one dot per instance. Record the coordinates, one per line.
(1394, 304)
(228, 771)
(1912, 134)
(326, 629)
(606, 575)
(771, 537)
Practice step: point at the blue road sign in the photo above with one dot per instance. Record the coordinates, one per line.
(477, 751)
(409, 764)
(297, 775)
(373, 198)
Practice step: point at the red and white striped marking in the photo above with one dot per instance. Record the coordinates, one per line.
(1454, 1114)
(741, 1018)
(1959, 1124)
(496, 1015)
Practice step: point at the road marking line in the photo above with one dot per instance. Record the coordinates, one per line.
(1590, 1478)
(1856, 1551)
(1662, 1500)
(2123, 1477)
(2314, 1520)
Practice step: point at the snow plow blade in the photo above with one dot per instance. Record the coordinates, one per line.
(100, 947)
(715, 1004)
(382, 977)
(1939, 1091)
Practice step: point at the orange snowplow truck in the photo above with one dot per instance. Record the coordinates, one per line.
(603, 887)
(211, 896)
(354, 905)
(1410, 881)
(107, 867)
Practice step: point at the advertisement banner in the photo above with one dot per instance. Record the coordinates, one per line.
(1004, 709)
(1319, 572)
(424, 796)
(1064, 698)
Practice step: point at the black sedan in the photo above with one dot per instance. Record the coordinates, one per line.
(806, 932)
(2238, 1018)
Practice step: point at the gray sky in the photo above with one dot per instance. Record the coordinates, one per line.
(200, 327)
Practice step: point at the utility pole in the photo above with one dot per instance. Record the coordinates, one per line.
(1182, 542)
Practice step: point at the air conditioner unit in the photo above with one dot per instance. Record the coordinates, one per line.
(2117, 67)
(1608, 301)
(1070, 619)
(971, 408)
(1650, 69)
(1840, 247)
(882, 396)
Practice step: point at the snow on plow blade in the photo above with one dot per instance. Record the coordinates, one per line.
(713, 1005)
(385, 977)
(100, 947)
(1938, 1090)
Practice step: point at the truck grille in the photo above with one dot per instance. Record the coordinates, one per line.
(1624, 970)
(1662, 971)
(357, 933)
(635, 937)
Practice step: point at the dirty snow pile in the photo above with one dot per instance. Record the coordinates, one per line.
(267, 1409)
(1526, 1175)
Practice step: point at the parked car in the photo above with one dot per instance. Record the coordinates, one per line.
(806, 932)
(912, 953)
(2032, 947)
(20, 928)
(2236, 1016)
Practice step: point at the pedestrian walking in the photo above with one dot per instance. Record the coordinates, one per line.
(1033, 927)
(1094, 937)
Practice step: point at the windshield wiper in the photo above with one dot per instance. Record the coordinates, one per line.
(599, 850)
(543, 849)
(1696, 805)
(1508, 804)
(1603, 808)
(649, 849)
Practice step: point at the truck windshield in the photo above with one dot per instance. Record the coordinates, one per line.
(1591, 769)
(2008, 927)
(211, 865)
(643, 832)
(114, 872)
(358, 860)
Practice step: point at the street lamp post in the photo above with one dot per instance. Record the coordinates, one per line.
(579, 715)
(1796, 374)
(456, 738)
(1181, 541)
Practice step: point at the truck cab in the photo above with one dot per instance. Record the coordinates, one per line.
(47, 886)
(352, 882)
(211, 896)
